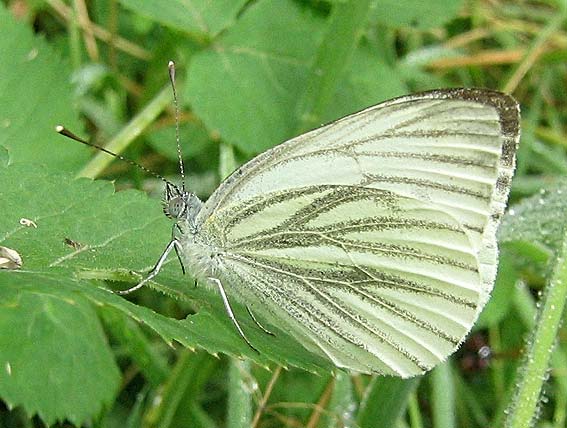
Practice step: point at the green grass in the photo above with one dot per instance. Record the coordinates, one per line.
(250, 75)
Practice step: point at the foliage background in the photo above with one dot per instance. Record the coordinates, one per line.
(251, 74)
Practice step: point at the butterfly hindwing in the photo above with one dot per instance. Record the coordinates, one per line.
(374, 237)
(399, 282)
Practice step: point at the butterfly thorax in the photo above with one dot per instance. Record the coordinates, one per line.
(198, 253)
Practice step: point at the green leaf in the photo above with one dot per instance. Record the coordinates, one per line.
(346, 24)
(181, 390)
(385, 400)
(420, 14)
(256, 80)
(35, 96)
(194, 136)
(114, 234)
(340, 411)
(192, 16)
(499, 304)
(4, 156)
(369, 80)
(131, 337)
(254, 77)
(539, 219)
(54, 357)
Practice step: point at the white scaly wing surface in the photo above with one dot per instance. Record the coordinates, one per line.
(373, 239)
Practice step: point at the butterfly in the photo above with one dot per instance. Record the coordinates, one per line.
(372, 239)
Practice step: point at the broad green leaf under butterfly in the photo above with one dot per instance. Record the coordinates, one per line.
(371, 239)
(32, 74)
(47, 326)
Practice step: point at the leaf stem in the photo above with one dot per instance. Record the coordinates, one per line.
(416, 421)
(239, 413)
(443, 396)
(346, 24)
(385, 400)
(536, 50)
(132, 130)
(182, 387)
(266, 396)
(227, 160)
(534, 372)
(74, 41)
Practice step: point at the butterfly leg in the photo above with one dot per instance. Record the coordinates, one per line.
(265, 330)
(230, 313)
(177, 248)
(155, 270)
(179, 258)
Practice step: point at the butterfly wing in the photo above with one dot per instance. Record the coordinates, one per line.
(374, 237)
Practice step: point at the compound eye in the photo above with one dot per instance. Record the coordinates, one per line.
(176, 207)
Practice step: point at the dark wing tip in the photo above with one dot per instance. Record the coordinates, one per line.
(507, 107)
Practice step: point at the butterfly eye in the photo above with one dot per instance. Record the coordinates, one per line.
(175, 207)
(174, 201)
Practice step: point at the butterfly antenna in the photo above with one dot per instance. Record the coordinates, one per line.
(64, 131)
(171, 66)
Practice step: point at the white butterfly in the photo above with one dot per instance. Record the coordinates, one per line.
(372, 239)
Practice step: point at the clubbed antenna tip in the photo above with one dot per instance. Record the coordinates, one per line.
(171, 66)
(64, 131)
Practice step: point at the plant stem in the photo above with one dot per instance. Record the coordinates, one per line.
(132, 130)
(533, 372)
(239, 413)
(385, 400)
(346, 24)
(443, 396)
(227, 161)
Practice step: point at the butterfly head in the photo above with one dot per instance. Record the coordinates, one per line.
(178, 204)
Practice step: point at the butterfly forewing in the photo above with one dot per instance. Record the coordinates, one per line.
(373, 238)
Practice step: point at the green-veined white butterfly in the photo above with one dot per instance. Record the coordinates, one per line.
(371, 239)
